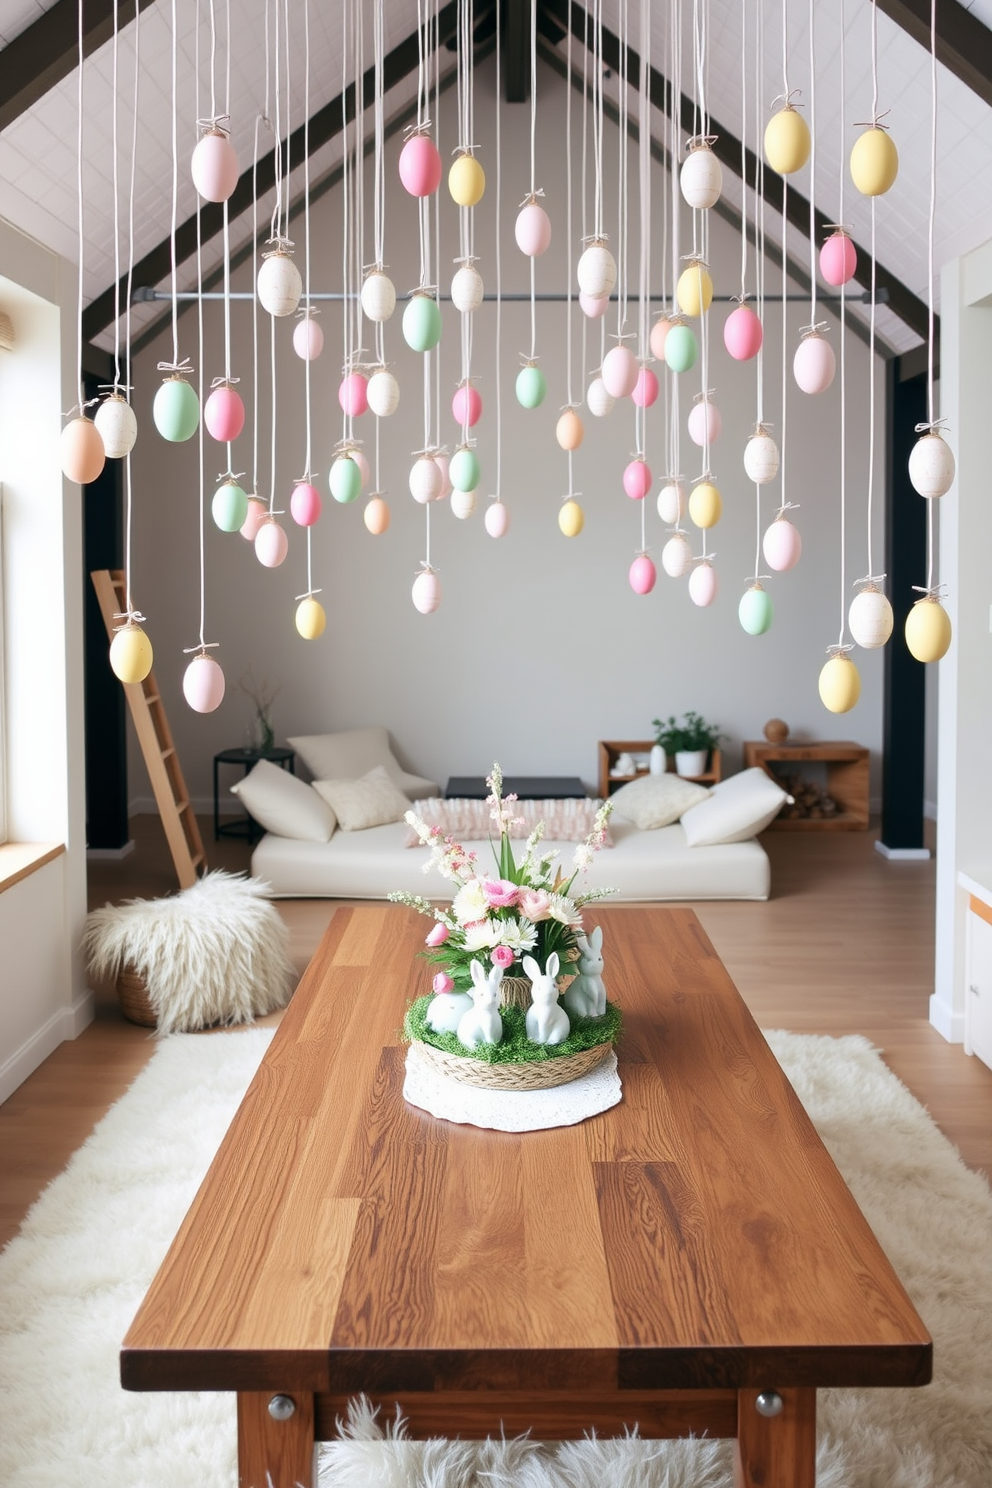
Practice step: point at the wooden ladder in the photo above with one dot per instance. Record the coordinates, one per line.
(155, 738)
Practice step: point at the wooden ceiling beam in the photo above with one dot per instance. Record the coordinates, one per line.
(964, 44)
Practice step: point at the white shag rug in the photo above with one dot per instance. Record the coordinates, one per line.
(71, 1282)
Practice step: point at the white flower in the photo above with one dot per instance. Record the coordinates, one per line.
(565, 910)
(469, 903)
(583, 857)
(519, 935)
(482, 937)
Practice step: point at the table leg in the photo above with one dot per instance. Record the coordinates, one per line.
(276, 1446)
(775, 1450)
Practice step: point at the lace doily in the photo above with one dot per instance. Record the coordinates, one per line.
(511, 1110)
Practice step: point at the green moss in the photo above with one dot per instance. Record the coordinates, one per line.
(516, 1047)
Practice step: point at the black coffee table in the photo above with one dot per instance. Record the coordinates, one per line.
(524, 787)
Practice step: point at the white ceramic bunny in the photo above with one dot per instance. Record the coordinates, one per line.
(446, 1010)
(547, 1023)
(482, 1023)
(586, 996)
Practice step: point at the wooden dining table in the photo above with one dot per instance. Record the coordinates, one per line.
(689, 1261)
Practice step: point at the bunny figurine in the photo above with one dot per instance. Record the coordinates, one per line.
(586, 997)
(446, 1010)
(482, 1023)
(547, 1023)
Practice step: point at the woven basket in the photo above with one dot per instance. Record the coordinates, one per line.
(133, 996)
(515, 991)
(541, 1074)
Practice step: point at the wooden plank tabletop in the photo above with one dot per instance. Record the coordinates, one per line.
(696, 1235)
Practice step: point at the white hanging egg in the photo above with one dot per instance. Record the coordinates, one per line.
(214, 166)
(426, 591)
(597, 270)
(676, 556)
(467, 289)
(701, 176)
(382, 392)
(598, 401)
(619, 372)
(814, 364)
(308, 339)
(117, 426)
(462, 504)
(443, 462)
(703, 584)
(203, 684)
(870, 618)
(378, 296)
(672, 502)
(271, 544)
(782, 545)
(931, 465)
(705, 423)
(497, 519)
(425, 480)
(279, 284)
(761, 458)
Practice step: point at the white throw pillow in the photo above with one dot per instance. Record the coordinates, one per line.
(738, 808)
(284, 805)
(369, 802)
(656, 800)
(351, 753)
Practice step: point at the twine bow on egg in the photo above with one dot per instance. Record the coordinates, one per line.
(532, 197)
(784, 100)
(219, 124)
(130, 617)
(180, 369)
(937, 426)
(817, 328)
(282, 245)
(225, 382)
(412, 130)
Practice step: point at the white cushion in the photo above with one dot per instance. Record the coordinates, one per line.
(566, 819)
(371, 801)
(350, 754)
(284, 805)
(656, 800)
(736, 809)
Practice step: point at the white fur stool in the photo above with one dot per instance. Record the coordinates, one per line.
(214, 953)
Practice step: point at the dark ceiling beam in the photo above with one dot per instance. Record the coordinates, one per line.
(48, 50)
(964, 44)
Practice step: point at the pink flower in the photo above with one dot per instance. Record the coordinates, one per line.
(442, 982)
(499, 892)
(438, 935)
(502, 956)
(534, 904)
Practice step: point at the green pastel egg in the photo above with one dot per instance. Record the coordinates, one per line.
(421, 323)
(531, 387)
(176, 410)
(345, 479)
(229, 507)
(681, 348)
(464, 471)
(755, 611)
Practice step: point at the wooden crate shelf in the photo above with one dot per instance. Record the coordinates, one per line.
(847, 781)
(610, 751)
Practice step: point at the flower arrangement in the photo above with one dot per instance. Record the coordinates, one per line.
(263, 696)
(527, 908)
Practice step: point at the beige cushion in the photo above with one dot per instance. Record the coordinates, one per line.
(569, 819)
(370, 801)
(737, 808)
(656, 800)
(284, 805)
(350, 754)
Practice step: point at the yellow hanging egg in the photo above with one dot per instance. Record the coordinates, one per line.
(571, 518)
(310, 618)
(840, 684)
(705, 504)
(928, 630)
(787, 141)
(694, 290)
(874, 162)
(569, 431)
(466, 181)
(131, 654)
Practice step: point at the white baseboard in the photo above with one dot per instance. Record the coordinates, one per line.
(902, 854)
(109, 854)
(946, 1020)
(67, 1023)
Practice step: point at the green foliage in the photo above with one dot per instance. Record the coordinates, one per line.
(692, 733)
(515, 1047)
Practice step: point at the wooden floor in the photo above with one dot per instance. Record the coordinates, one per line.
(844, 946)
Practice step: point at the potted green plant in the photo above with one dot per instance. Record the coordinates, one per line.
(689, 741)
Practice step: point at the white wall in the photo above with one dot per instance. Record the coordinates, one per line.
(539, 648)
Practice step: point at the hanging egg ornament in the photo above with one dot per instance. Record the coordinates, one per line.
(742, 334)
(694, 290)
(466, 180)
(497, 519)
(642, 574)
(425, 480)
(531, 387)
(703, 584)
(467, 289)
(761, 457)
(658, 336)
(376, 516)
(214, 166)
(466, 405)
(569, 430)
(839, 684)
(782, 545)
(271, 544)
(443, 462)
(593, 307)
(755, 610)
(224, 413)
(598, 401)
(814, 364)
(532, 229)
(308, 339)
(463, 504)
(704, 423)
(787, 141)
(305, 504)
(596, 270)
(203, 684)
(701, 176)
(705, 504)
(672, 502)
(345, 479)
(645, 392)
(931, 465)
(382, 392)
(928, 630)
(229, 507)
(353, 395)
(378, 296)
(874, 162)
(870, 618)
(426, 591)
(257, 513)
(176, 410)
(838, 259)
(131, 654)
(676, 556)
(358, 455)
(681, 348)
(117, 426)
(81, 450)
(571, 518)
(279, 284)
(637, 479)
(420, 166)
(311, 618)
(619, 371)
(463, 469)
(421, 322)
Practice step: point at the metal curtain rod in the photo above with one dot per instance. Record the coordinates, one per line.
(142, 295)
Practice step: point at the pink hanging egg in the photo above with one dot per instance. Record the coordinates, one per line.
(466, 406)
(645, 388)
(838, 259)
(532, 230)
(814, 364)
(443, 461)
(782, 545)
(305, 504)
(82, 451)
(203, 684)
(426, 591)
(497, 519)
(224, 414)
(703, 584)
(257, 513)
(593, 306)
(361, 460)
(742, 334)
(214, 167)
(658, 337)
(619, 372)
(271, 543)
(637, 479)
(308, 339)
(353, 395)
(420, 166)
(704, 423)
(642, 574)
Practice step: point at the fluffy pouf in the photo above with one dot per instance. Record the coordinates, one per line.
(214, 953)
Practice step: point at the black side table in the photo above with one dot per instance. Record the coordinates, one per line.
(246, 827)
(524, 787)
